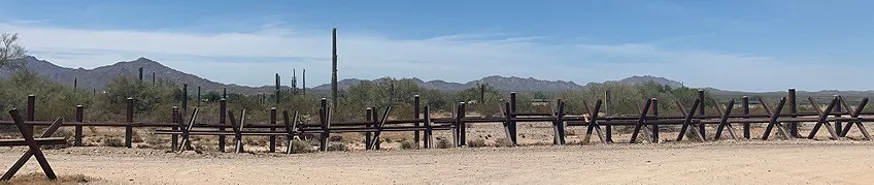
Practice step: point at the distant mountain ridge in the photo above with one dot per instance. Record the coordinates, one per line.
(512, 83)
(97, 78)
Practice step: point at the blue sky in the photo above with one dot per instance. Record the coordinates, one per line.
(763, 45)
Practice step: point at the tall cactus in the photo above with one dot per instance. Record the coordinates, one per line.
(334, 71)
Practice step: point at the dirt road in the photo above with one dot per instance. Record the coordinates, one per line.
(771, 162)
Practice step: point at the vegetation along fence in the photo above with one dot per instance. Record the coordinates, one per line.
(692, 121)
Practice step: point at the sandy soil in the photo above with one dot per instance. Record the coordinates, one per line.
(723, 162)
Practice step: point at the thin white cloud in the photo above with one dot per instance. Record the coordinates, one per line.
(251, 58)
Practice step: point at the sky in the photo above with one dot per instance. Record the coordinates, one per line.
(748, 45)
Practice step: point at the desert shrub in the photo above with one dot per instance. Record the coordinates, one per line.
(407, 144)
(147, 96)
(338, 147)
(477, 143)
(156, 140)
(301, 146)
(336, 138)
(135, 136)
(503, 142)
(113, 142)
(443, 143)
(255, 140)
(38, 178)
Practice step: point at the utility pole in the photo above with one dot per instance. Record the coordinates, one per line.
(334, 70)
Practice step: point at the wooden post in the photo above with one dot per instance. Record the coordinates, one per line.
(793, 108)
(746, 110)
(141, 73)
(655, 126)
(608, 129)
(77, 131)
(368, 135)
(272, 145)
(702, 113)
(154, 80)
(129, 129)
(303, 82)
(175, 137)
(428, 131)
(323, 117)
(31, 110)
(416, 115)
(512, 126)
(223, 117)
(75, 83)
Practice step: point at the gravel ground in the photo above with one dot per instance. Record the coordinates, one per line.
(723, 162)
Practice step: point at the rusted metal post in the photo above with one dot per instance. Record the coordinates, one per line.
(702, 113)
(655, 126)
(223, 117)
(129, 129)
(837, 110)
(323, 117)
(793, 108)
(608, 129)
(512, 126)
(559, 123)
(428, 131)
(31, 109)
(462, 127)
(746, 110)
(175, 137)
(416, 115)
(641, 122)
(375, 123)
(368, 135)
(272, 144)
(77, 131)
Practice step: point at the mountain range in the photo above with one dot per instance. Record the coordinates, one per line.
(98, 77)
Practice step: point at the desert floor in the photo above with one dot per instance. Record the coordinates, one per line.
(721, 162)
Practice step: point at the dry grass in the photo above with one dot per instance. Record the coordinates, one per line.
(407, 144)
(503, 142)
(476, 143)
(38, 178)
(113, 142)
(443, 143)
